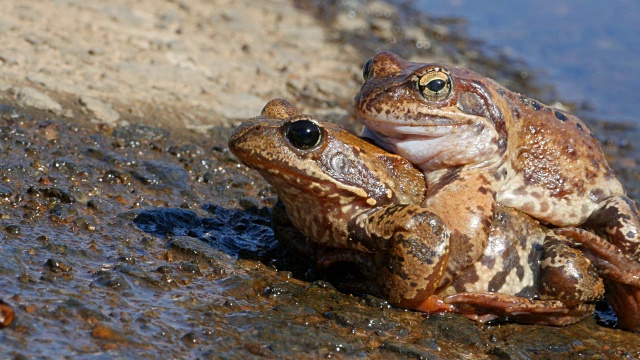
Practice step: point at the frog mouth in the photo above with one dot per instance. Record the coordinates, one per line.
(402, 131)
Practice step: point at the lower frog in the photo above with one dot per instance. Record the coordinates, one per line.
(365, 204)
(481, 145)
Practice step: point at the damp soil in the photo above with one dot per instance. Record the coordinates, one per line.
(145, 238)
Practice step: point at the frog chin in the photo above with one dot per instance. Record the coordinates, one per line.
(436, 147)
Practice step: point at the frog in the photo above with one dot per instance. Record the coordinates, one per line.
(363, 205)
(481, 145)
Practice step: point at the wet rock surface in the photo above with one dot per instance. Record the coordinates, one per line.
(102, 254)
(130, 230)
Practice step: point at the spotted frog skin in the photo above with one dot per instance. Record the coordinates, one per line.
(365, 206)
(481, 145)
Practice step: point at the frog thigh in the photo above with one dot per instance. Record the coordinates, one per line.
(566, 274)
(490, 306)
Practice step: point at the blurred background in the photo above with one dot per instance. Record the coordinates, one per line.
(588, 49)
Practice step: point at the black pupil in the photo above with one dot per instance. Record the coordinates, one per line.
(303, 134)
(436, 85)
(367, 69)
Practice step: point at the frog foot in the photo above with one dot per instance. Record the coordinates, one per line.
(622, 275)
(483, 307)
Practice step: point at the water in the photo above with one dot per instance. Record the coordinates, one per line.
(588, 49)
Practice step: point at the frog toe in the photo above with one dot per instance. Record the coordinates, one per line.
(519, 309)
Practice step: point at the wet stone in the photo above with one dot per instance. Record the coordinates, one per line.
(164, 269)
(193, 247)
(186, 151)
(110, 157)
(409, 350)
(111, 279)
(452, 327)
(13, 229)
(543, 341)
(190, 267)
(191, 339)
(85, 311)
(127, 260)
(297, 309)
(303, 339)
(169, 174)
(104, 332)
(57, 266)
(139, 276)
(112, 177)
(359, 320)
(86, 222)
(61, 194)
(63, 213)
(136, 135)
(97, 204)
(5, 192)
(65, 165)
(284, 290)
(145, 178)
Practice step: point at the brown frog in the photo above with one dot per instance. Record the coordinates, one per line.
(364, 204)
(481, 145)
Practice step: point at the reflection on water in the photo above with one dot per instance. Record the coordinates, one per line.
(588, 49)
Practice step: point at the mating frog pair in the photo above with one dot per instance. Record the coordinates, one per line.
(364, 204)
(487, 155)
(480, 145)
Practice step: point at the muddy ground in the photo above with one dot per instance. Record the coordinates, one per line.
(129, 230)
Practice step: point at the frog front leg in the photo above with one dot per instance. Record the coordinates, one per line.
(412, 251)
(614, 248)
(465, 201)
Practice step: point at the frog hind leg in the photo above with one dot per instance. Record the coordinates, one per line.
(617, 220)
(622, 275)
(566, 274)
(483, 307)
(568, 286)
(609, 260)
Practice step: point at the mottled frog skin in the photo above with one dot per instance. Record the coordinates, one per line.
(365, 205)
(481, 145)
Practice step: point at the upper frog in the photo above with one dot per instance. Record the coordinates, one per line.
(481, 145)
(362, 204)
(448, 119)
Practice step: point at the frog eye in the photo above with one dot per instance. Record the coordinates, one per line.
(434, 85)
(302, 134)
(367, 69)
